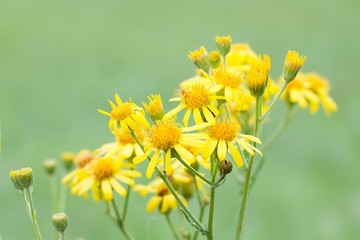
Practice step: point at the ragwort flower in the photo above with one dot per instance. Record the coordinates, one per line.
(166, 136)
(224, 136)
(198, 100)
(125, 115)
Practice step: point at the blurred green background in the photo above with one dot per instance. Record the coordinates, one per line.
(61, 60)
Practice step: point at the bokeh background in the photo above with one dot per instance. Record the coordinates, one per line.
(62, 60)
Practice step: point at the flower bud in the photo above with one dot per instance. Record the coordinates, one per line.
(68, 159)
(258, 75)
(155, 107)
(22, 178)
(215, 59)
(293, 63)
(224, 44)
(200, 58)
(60, 222)
(225, 167)
(49, 166)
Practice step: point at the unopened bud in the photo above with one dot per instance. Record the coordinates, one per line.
(215, 59)
(155, 107)
(22, 178)
(293, 63)
(60, 222)
(225, 167)
(68, 159)
(200, 58)
(49, 166)
(224, 44)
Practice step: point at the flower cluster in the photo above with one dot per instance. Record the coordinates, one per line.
(190, 148)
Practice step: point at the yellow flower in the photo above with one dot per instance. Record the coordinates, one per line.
(125, 115)
(258, 75)
(102, 176)
(310, 89)
(196, 100)
(223, 137)
(162, 199)
(125, 147)
(22, 178)
(82, 159)
(240, 57)
(321, 88)
(293, 63)
(228, 84)
(155, 107)
(167, 136)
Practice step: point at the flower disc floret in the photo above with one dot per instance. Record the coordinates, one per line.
(196, 97)
(104, 168)
(224, 131)
(164, 135)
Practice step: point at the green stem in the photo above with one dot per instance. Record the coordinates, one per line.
(61, 235)
(196, 223)
(245, 194)
(168, 220)
(201, 205)
(126, 203)
(193, 171)
(120, 223)
(32, 212)
(212, 198)
(273, 102)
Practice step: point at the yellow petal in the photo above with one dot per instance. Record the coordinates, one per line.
(139, 159)
(186, 117)
(236, 155)
(106, 190)
(151, 167)
(184, 153)
(208, 115)
(210, 147)
(197, 116)
(125, 179)
(118, 99)
(103, 112)
(117, 187)
(168, 162)
(173, 112)
(132, 124)
(141, 120)
(153, 203)
(221, 150)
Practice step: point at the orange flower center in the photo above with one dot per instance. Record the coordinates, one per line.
(122, 111)
(196, 97)
(104, 168)
(164, 135)
(224, 131)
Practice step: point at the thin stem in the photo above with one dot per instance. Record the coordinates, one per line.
(168, 220)
(61, 235)
(228, 113)
(126, 203)
(212, 199)
(33, 213)
(201, 205)
(196, 223)
(273, 102)
(120, 223)
(193, 171)
(245, 194)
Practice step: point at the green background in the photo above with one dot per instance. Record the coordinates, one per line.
(61, 60)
